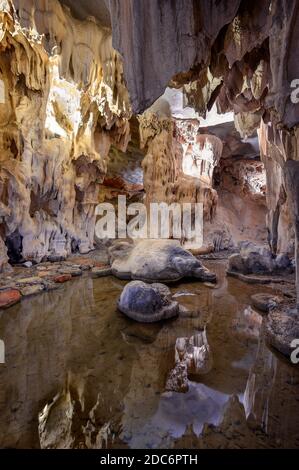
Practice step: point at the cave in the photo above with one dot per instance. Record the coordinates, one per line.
(149, 224)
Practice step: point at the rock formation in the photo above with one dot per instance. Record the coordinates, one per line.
(63, 103)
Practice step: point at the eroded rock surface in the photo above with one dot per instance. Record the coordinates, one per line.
(63, 103)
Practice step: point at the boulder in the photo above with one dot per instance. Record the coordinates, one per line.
(157, 261)
(235, 263)
(259, 262)
(253, 259)
(283, 262)
(147, 303)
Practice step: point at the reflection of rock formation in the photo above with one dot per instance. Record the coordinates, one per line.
(192, 357)
(47, 355)
(259, 387)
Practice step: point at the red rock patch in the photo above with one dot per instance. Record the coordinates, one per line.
(9, 297)
(63, 278)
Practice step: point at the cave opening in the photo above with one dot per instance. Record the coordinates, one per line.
(14, 244)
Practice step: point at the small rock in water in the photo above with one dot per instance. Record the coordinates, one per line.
(56, 258)
(62, 278)
(210, 285)
(32, 290)
(265, 302)
(178, 379)
(9, 297)
(101, 271)
(72, 271)
(187, 312)
(43, 274)
(28, 281)
(28, 264)
(50, 286)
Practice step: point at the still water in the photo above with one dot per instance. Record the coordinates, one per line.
(80, 374)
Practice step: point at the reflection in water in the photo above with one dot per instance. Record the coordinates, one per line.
(80, 374)
(176, 411)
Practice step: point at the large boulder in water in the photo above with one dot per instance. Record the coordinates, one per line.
(255, 259)
(157, 261)
(147, 303)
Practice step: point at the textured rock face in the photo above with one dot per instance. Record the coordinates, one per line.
(179, 161)
(249, 42)
(187, 161)
(175, 36)
(63, 103)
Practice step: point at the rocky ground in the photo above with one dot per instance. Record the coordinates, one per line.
(32, 279)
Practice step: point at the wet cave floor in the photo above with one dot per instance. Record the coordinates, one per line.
(80, 374)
